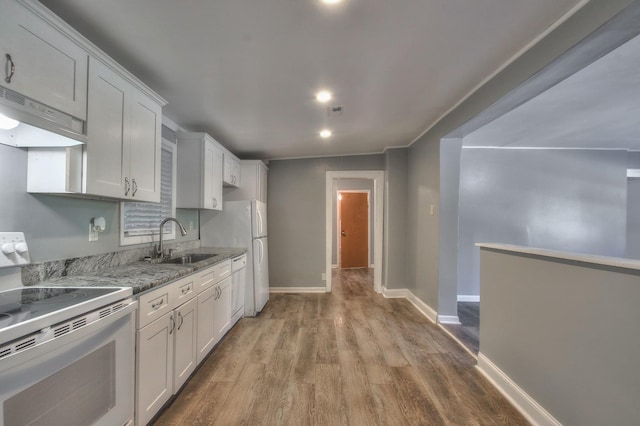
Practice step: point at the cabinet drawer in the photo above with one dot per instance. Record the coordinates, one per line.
(221, 271)
(153, 305)
(205, 280)
(183, 290)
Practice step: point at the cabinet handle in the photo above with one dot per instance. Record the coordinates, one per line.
(157, 305)
(181, 320)
(10, 68)
(186, 290)
(135, 188)
(172, 325)
(126, 186)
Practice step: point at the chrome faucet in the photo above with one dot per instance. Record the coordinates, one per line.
(160, 250)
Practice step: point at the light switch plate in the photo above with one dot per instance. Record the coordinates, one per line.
(13, 249)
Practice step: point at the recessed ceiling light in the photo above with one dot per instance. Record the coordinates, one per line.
(331, 1)
(325, 133)
(323, 96)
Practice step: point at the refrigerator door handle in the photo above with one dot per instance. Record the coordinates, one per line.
(261, 254)
(259, 218)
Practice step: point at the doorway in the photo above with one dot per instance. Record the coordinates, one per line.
(354, 231)
(377, 206)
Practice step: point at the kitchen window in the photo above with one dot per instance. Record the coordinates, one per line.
(140, 222)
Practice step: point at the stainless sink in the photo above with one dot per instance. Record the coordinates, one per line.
(190, 258)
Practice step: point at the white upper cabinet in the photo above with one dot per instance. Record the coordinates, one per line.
(42, 63)
(254, 182)
(199, 172)
(123, 138)
(231, 175)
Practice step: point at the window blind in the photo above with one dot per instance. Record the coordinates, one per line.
(145, 218)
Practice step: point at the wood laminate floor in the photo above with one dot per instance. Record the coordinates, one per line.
(350, 357)
(468, 331)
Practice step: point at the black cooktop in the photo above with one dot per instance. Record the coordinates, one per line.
(23, 304)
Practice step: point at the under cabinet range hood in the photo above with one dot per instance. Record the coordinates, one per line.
(40, 125)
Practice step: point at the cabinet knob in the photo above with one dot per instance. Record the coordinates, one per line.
(10, 68)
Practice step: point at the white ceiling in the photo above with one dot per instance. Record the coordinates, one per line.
(245, 71)
(597, 107)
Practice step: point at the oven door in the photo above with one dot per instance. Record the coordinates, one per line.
(81, 378)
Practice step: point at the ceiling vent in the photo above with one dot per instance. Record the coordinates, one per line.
(335, 110)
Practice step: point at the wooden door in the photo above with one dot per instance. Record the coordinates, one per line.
(354, 230)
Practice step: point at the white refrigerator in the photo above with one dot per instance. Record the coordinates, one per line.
(242, 224)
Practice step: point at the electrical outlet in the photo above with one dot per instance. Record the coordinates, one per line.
(93, 235)
(323, 276)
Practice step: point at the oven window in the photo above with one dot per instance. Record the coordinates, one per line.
(79, 394)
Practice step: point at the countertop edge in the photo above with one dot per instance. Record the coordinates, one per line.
(616, 262)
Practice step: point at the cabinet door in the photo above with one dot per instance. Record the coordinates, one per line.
(231, 171)
(154, 367)
(262, 183)
(206, 336)
(145, 146)
(107, 138)
(222, 313)
(185, 350)
(49, 67)
(212, 185)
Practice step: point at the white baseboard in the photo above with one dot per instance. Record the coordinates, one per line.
(297, 289)
(529, 408)
(426, 310)
(448, 319)
(334, 266)
(468, 298)
(395, 293)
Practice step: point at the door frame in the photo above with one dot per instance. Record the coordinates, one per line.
(378, 177)
(339, 222)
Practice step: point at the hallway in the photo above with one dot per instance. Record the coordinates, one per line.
(350, 357)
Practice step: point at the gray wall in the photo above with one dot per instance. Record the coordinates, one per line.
(355, 185)
(568, 200)
(566, 333)
(296, 212)
(424, 154)
(450, 150)
(57, 227)
(395, 219)
(633, 219)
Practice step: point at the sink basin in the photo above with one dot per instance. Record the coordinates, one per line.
(190, 258)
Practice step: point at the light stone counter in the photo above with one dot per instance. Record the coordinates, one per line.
(141, 275)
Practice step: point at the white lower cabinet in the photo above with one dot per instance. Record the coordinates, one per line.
(206, 334)
(154, 367)
(238, 283)
(165, 346)
(222, 308)
(178, 325)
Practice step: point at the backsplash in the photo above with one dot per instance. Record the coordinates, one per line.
(43, 271)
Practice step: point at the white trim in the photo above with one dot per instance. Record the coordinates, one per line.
(425, 309)
(468, 298)
(297, 290)
(524, 403)
(401, 293)
(334, 266)
(396, 293)
(449, 319)
(462, 345)
(378, 177)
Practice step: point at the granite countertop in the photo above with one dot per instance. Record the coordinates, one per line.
(144, 275)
